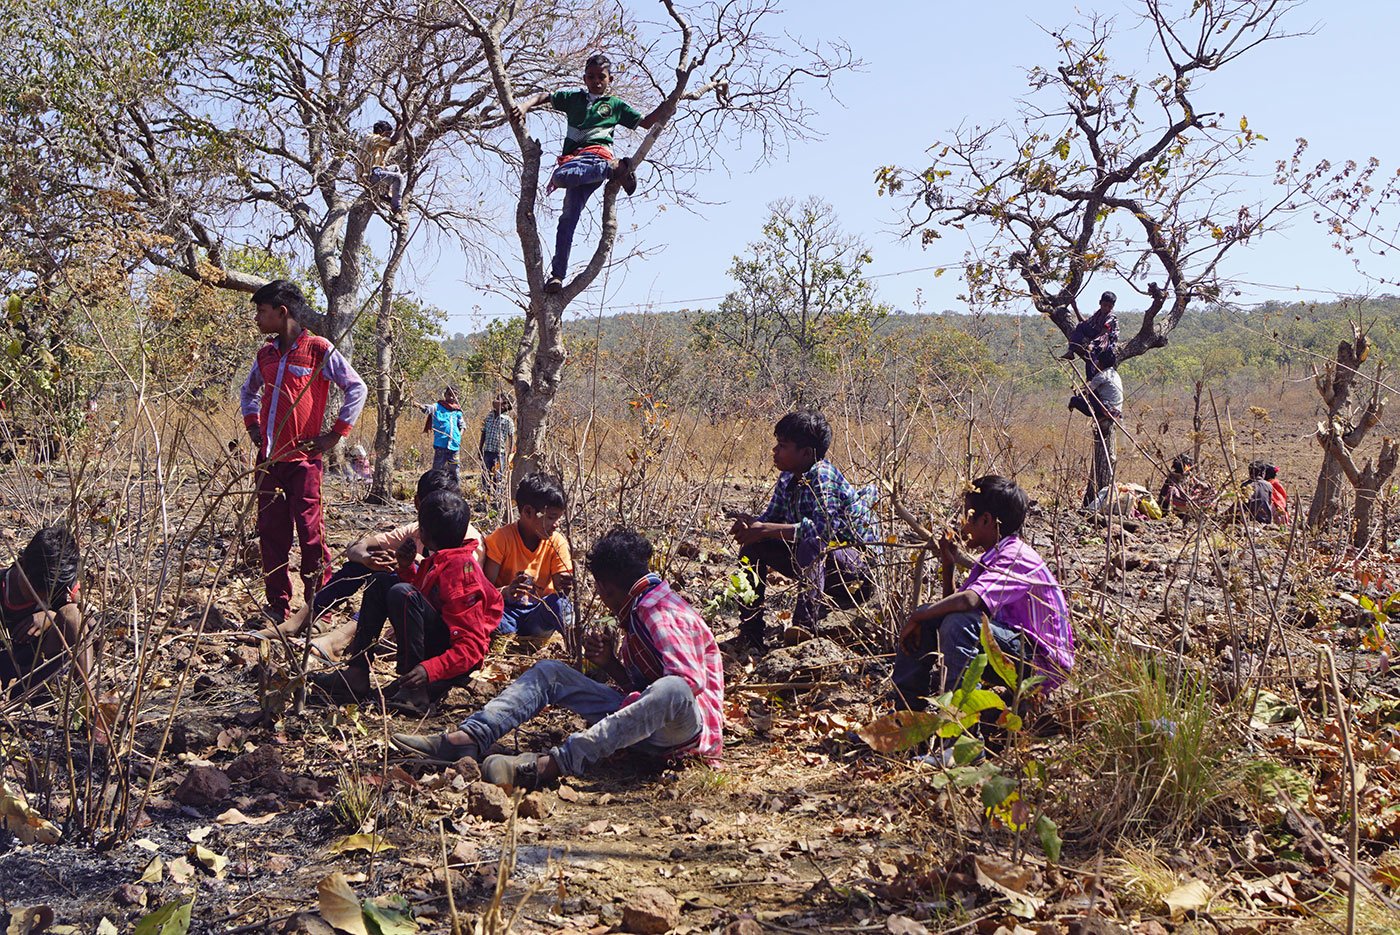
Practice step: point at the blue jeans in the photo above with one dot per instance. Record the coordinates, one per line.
(580, 178)
(391, 178)
(957, 639)
(445, 458)
(537, 618)
(666, 716)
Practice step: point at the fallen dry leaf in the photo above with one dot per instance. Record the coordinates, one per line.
(154, 872)
(340, 906)
(1010, 881)
(903, 925)
(29, 920)
(22, 821)
(181, 870)
(234, 817)
(372, 843)
(214, 863)
(1188, 897)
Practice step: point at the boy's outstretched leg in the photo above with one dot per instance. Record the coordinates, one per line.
(665, 717)
(420, 634)
(544, 684)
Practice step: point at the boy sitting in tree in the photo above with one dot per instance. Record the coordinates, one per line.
(587, 161)
(42, 623)
(1010, 583)
(816, 529)
(670, 678)
(529, 561)
(1098, 332)
(443, 611)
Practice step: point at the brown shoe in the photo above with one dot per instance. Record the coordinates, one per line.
(434, 748)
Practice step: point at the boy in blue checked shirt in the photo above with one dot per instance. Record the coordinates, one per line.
(588, 159)
(816, 529)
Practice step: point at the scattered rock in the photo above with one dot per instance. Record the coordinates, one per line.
(130, 894)
(204, 786)
(488, 801)
(650, 911)
(809, 661)
(536, 805)
(263, 760)
(688, 550)
(743, 927)
(193, 734)
(468, 769)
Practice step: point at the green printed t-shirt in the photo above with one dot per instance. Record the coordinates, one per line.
(591, 120)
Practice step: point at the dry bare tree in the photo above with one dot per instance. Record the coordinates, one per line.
(719, 76)
(1108, 172)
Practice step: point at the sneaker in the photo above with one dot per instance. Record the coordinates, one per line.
(553, 285)
(433, 748)
(627, 175)
(521, 771)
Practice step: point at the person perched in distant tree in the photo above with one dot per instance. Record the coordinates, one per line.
(497, 441)
(529, 561)
(1102, 399)
(1257, 494)
(587, 161)
(669, 699)
(375, 170)
(1280, 495)
(42, 622)
(443, 610)
(445, 422)
(817, 529)
(1098, 332)
(1010, 583)
(1183, 493)
(283, 402)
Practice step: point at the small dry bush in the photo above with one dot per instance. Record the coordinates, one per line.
(1156, 752)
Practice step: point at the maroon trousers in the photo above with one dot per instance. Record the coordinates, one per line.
(289, 495)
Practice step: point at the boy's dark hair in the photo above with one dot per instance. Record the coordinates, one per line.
(449, 388)
(51, 562)
(1258, 469)
(1270, 472)
(430, 482)
(383, 127)
(1105, 357)
(807, 429)
(1182, 463)
(507, 404)
(1002, 498)
(541, 491)
(443, 518)
(281, 292)
(599, 59)
(1108, 297)
(620, 557)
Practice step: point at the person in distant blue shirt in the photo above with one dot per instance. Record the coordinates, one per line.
(445, 422)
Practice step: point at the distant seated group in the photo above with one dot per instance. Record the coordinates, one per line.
(1263, 497)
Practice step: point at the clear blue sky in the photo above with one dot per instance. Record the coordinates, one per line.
(928, 67)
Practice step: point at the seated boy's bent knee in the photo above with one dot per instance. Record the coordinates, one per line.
(954, 624)
(671, 688)
(400, 593)
(551, 668)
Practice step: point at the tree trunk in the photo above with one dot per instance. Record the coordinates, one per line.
(1326, 503)
(535, 394)
(388, 395)
(1105, 465)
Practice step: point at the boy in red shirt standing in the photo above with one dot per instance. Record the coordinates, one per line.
(283, 402)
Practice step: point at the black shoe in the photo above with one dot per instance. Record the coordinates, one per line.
(627, 175)
(751, 636)
(411, 701)
(336, 686)
(553, 286)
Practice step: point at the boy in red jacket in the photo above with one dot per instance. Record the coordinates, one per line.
(444, 612)
(283, 402)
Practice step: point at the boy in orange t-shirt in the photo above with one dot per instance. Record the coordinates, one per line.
(529, 561)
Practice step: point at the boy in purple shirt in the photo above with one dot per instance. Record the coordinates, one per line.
(1010, 583)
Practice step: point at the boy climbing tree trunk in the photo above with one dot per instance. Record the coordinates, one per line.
(744, 92)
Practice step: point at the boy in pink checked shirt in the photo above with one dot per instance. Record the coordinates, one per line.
(669, 699)
(1010, 583)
